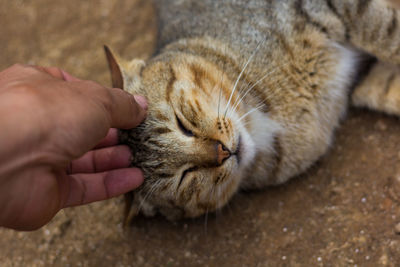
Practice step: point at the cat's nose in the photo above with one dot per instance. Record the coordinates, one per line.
(223, 153)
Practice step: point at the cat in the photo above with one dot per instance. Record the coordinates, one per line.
(244, 94)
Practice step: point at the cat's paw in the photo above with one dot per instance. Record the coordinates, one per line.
(380, 90)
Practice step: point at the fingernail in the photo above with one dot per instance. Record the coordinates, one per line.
(141, 100)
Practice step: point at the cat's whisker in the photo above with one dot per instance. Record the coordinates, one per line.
(240, 92)
(242, 88)
(212, 90)
(237, 103)
(251, 123)
(240, 76)
(212, 192)
(239, 100)
(218, 196)
(219, 100)
(148, 194)
(206, 221)
(220, 85)
(250, 111)
(217, 210)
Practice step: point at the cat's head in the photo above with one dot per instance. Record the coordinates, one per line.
(194, 145)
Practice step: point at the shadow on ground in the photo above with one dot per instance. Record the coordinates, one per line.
(343, 212)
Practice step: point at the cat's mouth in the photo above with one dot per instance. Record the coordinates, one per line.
(238, 150)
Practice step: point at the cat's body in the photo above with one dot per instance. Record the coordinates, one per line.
(245, 94)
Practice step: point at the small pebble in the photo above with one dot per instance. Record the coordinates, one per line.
(319, 259)
(283, 257)
(397, 229)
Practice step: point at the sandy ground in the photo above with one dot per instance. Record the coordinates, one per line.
(342, 212)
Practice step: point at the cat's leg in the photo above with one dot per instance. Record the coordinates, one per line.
(380, 90)
(369, 25)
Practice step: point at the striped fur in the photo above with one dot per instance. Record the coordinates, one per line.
(266, 80)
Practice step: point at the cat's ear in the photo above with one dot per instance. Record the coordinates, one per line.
(124, 74)
(116, 73)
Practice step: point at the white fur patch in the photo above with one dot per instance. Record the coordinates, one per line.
(337, 90)
(260, 137)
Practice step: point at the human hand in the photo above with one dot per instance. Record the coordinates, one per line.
(56, 146)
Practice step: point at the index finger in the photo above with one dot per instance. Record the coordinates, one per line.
(111, 139)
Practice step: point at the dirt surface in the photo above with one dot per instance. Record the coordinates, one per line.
(344, 212)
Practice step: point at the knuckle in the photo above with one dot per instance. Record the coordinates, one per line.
(55, 70)
(27, 91)
(94, 88)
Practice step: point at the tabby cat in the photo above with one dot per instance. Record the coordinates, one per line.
(247, 93)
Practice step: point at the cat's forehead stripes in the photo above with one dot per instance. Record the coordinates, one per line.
(197, 78)
(198, 106)
(171, 81)
(162, 130)
(160, 116)
(229, 65)
(199, 74)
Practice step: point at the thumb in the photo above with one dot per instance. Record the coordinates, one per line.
(125, 110)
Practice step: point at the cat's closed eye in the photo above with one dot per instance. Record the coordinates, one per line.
(183, 128)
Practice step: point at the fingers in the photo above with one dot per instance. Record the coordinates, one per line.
(126, 111)
(53, 71)
(100, 160)
(110, 140)
(87, 188)
(122, 109)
